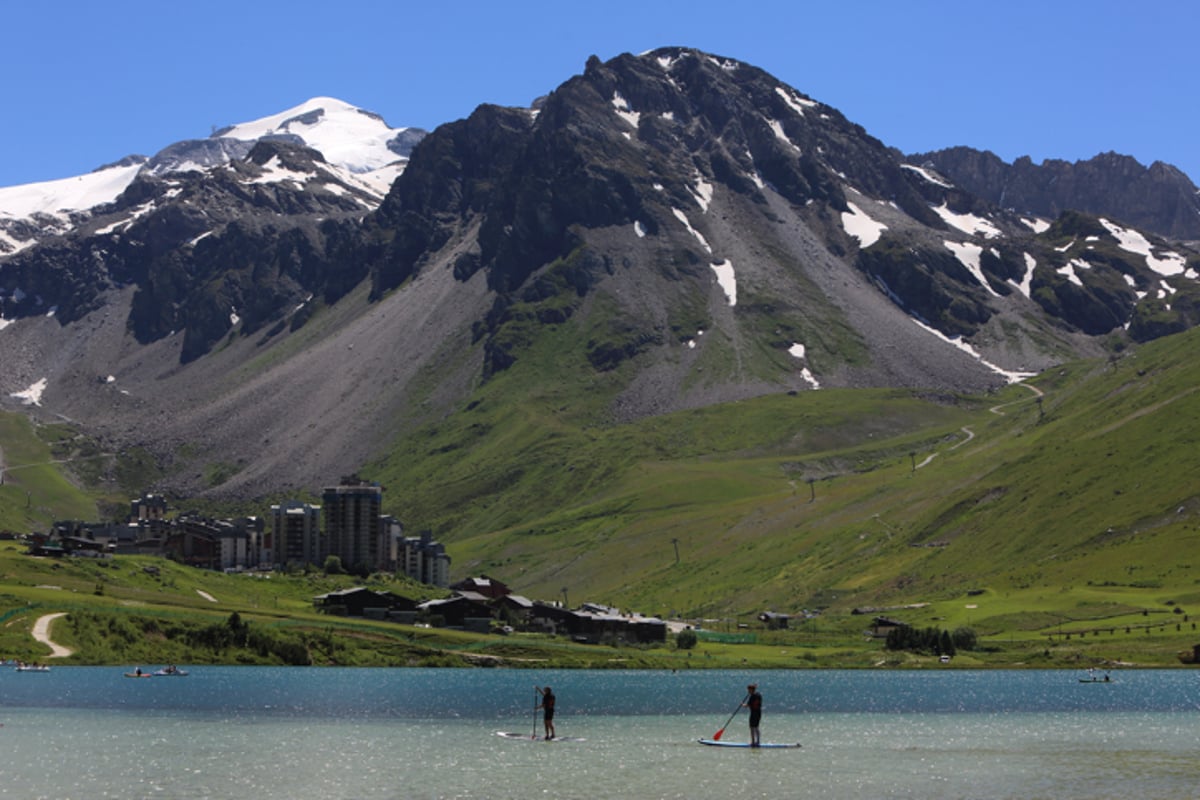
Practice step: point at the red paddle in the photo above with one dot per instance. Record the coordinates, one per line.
(717, 735)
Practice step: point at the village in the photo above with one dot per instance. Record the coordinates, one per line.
(349, 533)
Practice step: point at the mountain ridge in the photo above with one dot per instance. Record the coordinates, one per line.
(1158, 198)
(681, 229)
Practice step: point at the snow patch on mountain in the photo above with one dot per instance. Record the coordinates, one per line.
(682, 217)
(703, 192)
(1069, 270)
(727, 64)
(624, 111)
(928, 175)
(1131, 241)
(798, 351)
(797, 104)
(274, 172)
(10, 245)
(1026, 284)
(727, 280)
(123, 223)
(1010, 375)
(968, 255)
(33, 395)
(777, 129)
(862, 227)
(967, 223)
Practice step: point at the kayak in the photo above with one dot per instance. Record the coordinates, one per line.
(525, 737)
(763, 746)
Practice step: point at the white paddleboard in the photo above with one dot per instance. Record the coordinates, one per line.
(525, 737)
(764, 745)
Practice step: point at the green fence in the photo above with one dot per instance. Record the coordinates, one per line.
(12, 612)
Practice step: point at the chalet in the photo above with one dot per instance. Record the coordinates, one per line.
(456, 611)
(360, 601)
(42, 545)
(594, 623)
(488, 587)
(514, 607)
(775, 622)
(882, 626)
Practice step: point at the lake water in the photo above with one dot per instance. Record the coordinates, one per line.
(267, 733)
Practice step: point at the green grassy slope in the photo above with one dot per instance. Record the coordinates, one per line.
(34, 491)
(1056, 518)
(829, 499)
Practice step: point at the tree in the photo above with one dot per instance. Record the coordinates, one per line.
(964, 638)
(686, 639)
(333, 565)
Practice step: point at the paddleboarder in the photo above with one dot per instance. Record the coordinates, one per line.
(547, 706)
(754, 702)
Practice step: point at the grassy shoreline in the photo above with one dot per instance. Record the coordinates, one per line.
(122, 613)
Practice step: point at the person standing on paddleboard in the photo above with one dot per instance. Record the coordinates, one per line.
(547, 706)
(754, 702)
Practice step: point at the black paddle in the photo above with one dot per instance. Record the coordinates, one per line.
(717, 735)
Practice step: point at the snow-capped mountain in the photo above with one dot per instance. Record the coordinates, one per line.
(359, 148)
(348, 137)
(676, 227)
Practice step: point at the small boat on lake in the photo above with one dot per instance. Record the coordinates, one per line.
(170, 672)
(32, 667)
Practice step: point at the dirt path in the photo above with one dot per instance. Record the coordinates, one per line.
(41, 632)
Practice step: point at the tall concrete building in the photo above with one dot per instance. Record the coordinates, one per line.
(425, 560)
(295, 535)
(353, 529)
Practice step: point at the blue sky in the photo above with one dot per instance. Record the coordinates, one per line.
(89, 82)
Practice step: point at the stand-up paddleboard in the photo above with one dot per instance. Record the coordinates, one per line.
(763, 746)
(525, 737)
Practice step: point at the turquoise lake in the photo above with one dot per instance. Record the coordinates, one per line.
(266, 733)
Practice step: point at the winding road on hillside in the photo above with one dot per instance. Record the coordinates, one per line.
(1038, 393)
(41, 632)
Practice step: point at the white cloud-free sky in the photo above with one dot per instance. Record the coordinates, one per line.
(88, 83)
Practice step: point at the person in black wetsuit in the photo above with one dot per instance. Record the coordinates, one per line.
(547, 706)
(754, 703)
